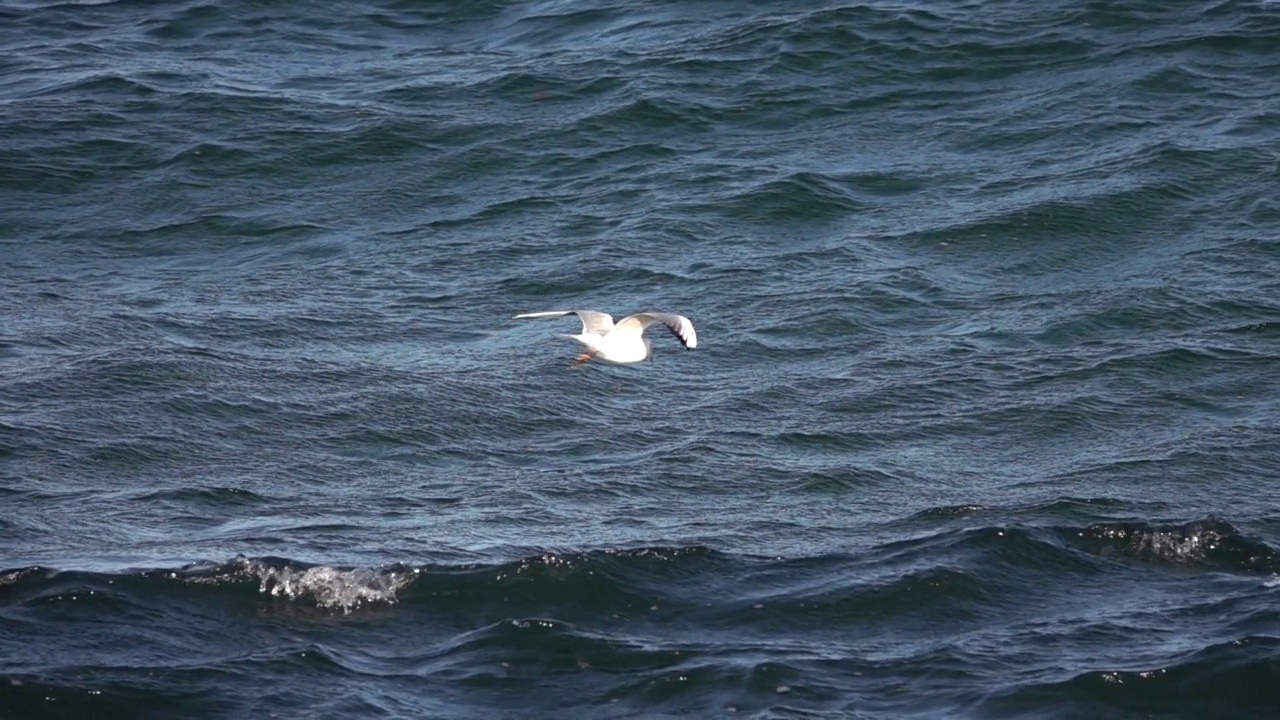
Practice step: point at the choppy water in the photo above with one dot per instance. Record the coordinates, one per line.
(983, 420)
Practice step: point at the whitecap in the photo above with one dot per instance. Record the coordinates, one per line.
(330, 587)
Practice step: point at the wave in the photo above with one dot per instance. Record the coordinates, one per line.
(1238, 675)
(623, 577)
(102, 85)
(804, 195)
(1207, 543)
(680, 627)
(324, 587)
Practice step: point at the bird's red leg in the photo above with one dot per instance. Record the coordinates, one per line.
(581, 359)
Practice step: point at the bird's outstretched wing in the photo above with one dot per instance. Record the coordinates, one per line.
(679, 325)
(595, 323)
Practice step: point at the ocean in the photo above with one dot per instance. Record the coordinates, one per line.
(982, 421)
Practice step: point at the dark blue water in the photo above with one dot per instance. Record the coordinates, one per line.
(982, 422)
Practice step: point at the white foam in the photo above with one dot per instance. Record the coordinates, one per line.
(332, 587)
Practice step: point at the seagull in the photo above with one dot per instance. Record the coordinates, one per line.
(623, 342)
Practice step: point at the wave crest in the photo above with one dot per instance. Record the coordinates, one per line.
(1209, 541)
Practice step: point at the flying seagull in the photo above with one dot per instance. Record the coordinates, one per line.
(623, 342)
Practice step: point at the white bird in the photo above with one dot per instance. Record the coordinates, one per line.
(623, 342)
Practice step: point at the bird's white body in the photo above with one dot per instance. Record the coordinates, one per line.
(624, 342)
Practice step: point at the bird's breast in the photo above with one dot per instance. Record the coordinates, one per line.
(620, 350)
